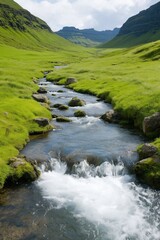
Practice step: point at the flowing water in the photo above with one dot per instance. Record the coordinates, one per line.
(85, 191)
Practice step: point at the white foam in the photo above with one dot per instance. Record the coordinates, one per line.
(111, 202)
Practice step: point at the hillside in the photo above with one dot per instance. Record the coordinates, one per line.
(21, 29)
(28, 47)
(141, 28)
(87, 37)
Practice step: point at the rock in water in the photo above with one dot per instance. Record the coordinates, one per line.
(146, 150)
(148, 171)
(22, 171)
(75, 102)
(79, 113)
(151, 125)
(42, 90)
(111, 117)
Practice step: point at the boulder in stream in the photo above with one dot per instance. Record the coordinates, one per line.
(75, 102)
(148, 171)
(63, 119)
(22, 171)
(111, 117)
(79, 113)
(147, 150)
(42, 90)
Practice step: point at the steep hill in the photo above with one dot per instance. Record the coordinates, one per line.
(87, 37)
(141, 28)
(28, 47)
(21, 29)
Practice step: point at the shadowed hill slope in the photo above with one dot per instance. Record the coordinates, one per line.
(141, 28)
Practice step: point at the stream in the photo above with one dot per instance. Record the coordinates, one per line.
(78, 200)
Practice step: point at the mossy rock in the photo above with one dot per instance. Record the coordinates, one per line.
(146, 150)
(22, 171)
(57, 105)
(63, 107)
(63, 119)
(79, 113)
(148, 171)
(75, 102)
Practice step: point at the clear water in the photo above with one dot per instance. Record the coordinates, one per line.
(82, 201)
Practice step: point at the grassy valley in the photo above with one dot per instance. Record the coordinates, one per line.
(25, 54)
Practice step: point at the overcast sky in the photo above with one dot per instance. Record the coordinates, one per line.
(98, 14)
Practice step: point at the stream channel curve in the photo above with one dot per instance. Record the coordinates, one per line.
(84, 201)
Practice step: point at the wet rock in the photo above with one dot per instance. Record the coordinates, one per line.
(63, 119)
(79, 113)
(54, 115)
(70, 80)
(146, 150)
(151, 125)
(22, 171)
(57, 105)
(60, 91)
(111, 117)
(148, 171)
(63, 107)
(42, 122)
(40, 98)
(75, 102)
(42, 90)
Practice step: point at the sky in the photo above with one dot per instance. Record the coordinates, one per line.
(82, 14)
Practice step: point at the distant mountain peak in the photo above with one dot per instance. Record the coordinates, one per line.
(87, 37)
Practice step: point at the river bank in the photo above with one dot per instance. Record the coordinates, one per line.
(79, 200)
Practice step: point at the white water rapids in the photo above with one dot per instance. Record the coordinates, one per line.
(105, 196)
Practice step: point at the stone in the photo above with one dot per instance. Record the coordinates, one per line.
(63, 107)
(75, 102)
(151, 125)
(79, 113)
(70, 80)
(42, 90)
(42, 122)
(57, 105)
(146, 150)
(60, 91)
(111, 117)
(148, 171)
(63, 119)
(54, 115)
(22, 171)
(40, 98)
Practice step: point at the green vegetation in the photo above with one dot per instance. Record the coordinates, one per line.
(26, 53)
(87, 37)
(129, 79)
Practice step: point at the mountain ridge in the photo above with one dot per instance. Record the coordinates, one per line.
(143, 27)
(87, 37)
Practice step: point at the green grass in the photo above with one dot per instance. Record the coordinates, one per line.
(18, 69)
(127, 78)
(129, 40)
(11, 4)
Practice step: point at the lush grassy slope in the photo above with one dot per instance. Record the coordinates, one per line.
(28, 48)
(127, 78)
